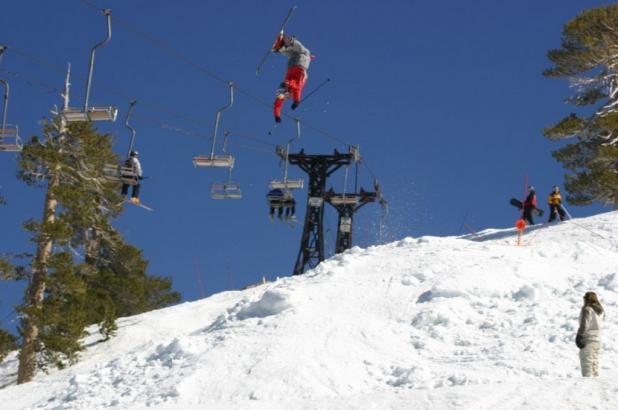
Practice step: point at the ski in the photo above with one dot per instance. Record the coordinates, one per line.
(285, 21)
(140, 205)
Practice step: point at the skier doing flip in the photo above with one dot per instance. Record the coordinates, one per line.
(299, 59)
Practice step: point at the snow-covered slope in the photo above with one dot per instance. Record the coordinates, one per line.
(423, 323)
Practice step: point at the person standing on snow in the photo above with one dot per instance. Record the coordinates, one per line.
(529, 205)
(555, 205)
(299, 59)
(588, 338)
(134, 168)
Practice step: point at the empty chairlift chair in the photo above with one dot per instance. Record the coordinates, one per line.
(224, 160)
(9, 134)
(88, 113)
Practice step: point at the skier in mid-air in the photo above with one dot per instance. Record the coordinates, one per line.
(299, 59)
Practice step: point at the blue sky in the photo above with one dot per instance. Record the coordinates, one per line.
(446, 100)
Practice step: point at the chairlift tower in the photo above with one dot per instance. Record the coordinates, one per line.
(346, 206)
(318, 168)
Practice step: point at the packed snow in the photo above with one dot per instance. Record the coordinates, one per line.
(471, 322)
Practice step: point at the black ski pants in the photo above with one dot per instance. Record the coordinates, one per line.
(555, 210)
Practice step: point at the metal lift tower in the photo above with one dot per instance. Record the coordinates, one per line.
(318, 168)
(346, 205)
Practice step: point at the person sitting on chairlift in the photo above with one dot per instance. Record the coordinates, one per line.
(134, 171)
(275, 199)
(290, 205)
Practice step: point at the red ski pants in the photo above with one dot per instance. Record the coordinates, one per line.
(295, 80)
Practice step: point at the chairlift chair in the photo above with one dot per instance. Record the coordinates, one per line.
(225, 190)
(344, 199)
(88, 113)
(214, 161)
(122, 173)
(9, 134)
(9, 138)
(224, 160)
(287, 184)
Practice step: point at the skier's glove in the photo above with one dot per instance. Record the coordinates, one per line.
(277, 119)
(579, 341)
(278, 42)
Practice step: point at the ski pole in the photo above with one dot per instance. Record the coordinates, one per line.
(322, 84)
(566, 212)
(285, 21)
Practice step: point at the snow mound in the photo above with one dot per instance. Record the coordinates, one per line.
(456, 322)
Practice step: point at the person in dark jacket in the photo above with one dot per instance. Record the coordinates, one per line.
(275, 201)
(299, 58)
(588, 338)
(529, 205)
(555, 205)
(290, 205)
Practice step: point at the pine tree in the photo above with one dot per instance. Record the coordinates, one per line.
(83, 272)
(588, 57)
(8, 343)
(78, 198)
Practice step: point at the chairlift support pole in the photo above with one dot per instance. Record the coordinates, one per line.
(318, 168)
(5, 104)
(126, 123)
(108, 14)
(218, 118)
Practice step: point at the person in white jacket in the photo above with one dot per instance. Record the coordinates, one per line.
(588, 338)
(132, 172)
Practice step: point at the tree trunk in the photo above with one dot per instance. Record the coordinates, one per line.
(36, 292)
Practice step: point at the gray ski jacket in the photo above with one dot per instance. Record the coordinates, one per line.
(590, 324)
(297, 54)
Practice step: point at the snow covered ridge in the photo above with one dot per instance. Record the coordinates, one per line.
(423, 323)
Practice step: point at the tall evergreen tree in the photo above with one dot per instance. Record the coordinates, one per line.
(588, 57)
(78, 198)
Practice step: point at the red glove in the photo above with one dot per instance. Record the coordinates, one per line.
(278, 42)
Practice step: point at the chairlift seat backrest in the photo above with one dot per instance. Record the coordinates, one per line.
(92, 114)
(287, 184)
(226, 190)
(343, 200)
(214, 161)
(121, 173)
(9, 139)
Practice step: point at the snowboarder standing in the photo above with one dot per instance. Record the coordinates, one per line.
(529, 205)
(134, 168)
(299, 59)
(588, 338)
(555, 205)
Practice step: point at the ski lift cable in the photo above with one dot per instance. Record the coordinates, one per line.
(32, 82)
(179, 55)
(149, 105)
(154, 106)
